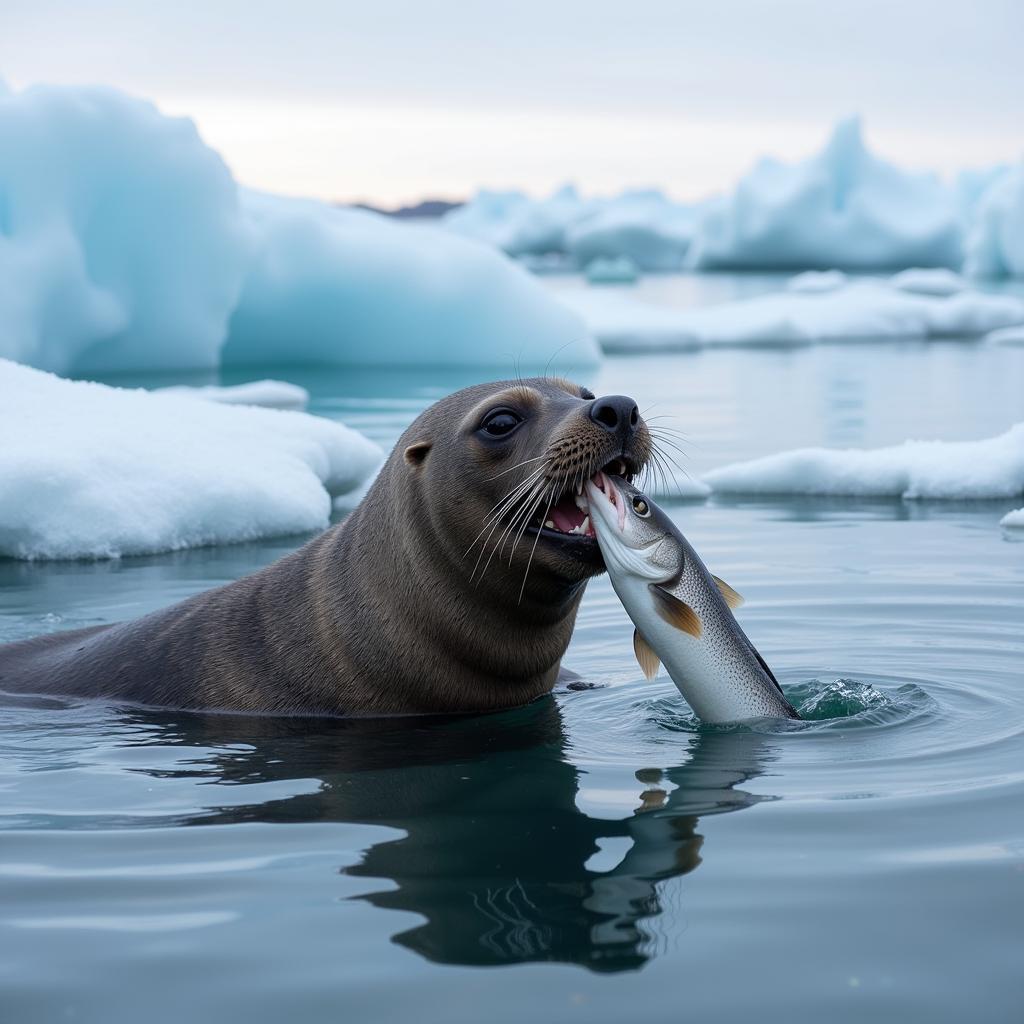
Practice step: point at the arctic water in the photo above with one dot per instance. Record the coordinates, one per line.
(597, 856)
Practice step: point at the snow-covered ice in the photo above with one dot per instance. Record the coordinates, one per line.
(861, 310)
(1014, 518)
(341, 286)
(271, 394)
(90, 471)
(125, 244)
(842, 208)
(813, 281)
(992, 468)
(995, 242)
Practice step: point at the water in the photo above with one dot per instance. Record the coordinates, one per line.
(597, 856)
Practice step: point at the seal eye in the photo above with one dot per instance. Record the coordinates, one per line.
(640, 507)
(501, 422)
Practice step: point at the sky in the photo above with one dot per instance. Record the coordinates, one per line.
(394, 100)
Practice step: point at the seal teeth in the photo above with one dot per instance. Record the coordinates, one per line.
(549, 524)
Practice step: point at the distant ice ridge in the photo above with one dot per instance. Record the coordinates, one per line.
(90, 471)
(843, 208)
(271, 394)
(644, 226)
(821, 308)
(995, 242)
(992, 468)
(125, 245)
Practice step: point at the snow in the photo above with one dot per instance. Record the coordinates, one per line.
(842, 208)
(1006, 336)
(1014, 518)
(121, 241)
(126, 245)
(862, 310)
(271, 394)
(992, 468)
(995, 242)
(344, 286)
(90, 471)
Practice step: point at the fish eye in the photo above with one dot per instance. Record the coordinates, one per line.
(641, 506)
(500, 422)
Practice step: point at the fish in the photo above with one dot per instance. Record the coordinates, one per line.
(682, 613)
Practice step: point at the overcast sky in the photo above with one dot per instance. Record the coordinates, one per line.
(393, 100)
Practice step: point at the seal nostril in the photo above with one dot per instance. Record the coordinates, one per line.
(605, 414)
(616, 413)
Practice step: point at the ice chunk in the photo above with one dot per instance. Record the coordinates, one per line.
(816, 281)
(1014, 518)
(613, 270)
(993, 468)
(90, 471)
(121, 241)
(271, 394)
(863, 310)
(929, 281)
(995, 242)
(842, 208)
(342, 286)
(1006, 336)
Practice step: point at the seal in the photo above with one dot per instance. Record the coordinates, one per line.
(452, 587)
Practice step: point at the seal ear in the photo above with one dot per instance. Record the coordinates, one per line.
(416, 453)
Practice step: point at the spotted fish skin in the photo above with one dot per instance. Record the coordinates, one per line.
(681, 612)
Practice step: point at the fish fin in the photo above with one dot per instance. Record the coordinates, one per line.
(732, 599)
(675, 612)
(649, 661)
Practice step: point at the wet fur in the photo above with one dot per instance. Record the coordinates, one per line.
(379, 614)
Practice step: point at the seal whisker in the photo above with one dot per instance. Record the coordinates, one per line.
(509, 499)
(529, 561)
(526, 504)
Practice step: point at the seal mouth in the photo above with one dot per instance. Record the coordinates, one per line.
(568, 520)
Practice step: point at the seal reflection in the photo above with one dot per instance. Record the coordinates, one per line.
(496, 852)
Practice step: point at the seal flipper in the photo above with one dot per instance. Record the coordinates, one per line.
(645, 655)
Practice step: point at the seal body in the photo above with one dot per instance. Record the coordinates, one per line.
(444, 591)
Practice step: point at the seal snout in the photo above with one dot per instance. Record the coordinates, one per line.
(618, 414)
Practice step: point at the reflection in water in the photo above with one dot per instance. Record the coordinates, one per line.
(495, 850)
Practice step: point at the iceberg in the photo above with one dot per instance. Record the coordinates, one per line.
(843, 208)
(122, 244)
(995, 241)
(90, 471)
(271, 394)
(992, 468)
(861, 310)
(343, 286)
(644, 227)
(1014, 518)
(126, 245)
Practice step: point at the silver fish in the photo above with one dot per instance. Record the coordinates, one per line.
(682, 613)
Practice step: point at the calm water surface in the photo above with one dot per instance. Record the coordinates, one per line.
(596, 856)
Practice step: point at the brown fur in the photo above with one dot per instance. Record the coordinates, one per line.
(380, 614)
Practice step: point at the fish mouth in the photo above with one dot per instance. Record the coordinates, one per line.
(567, 522)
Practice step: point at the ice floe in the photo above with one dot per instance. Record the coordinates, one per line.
(271, 394)
(1006, 336)
(90, 471)
(842, 208)
(1014, 518)
(995, 242)
(929, 281)
(992, 468)
(861, 310)
(125, 244)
